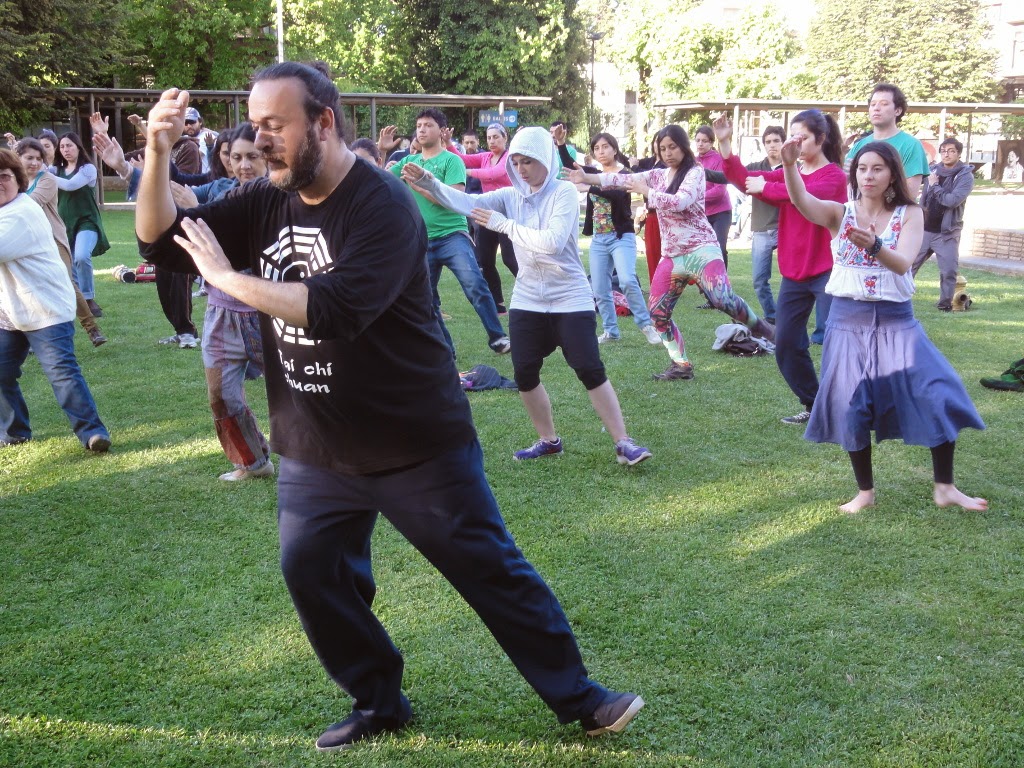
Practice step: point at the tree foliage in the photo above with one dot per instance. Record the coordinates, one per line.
(934, 50)
(199, 44)
(49, 43)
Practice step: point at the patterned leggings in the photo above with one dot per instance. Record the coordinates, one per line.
(705, 268)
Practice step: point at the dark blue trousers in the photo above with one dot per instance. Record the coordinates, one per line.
(445, 508)
(792, 309)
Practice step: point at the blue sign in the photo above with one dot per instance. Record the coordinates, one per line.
(510, 118)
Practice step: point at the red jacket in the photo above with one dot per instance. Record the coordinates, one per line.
(805, 249)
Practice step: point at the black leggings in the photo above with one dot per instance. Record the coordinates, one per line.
(942, 465)
(487, 244)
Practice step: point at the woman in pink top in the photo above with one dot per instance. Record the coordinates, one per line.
(717, 204)
(489, 168)
(805, 249)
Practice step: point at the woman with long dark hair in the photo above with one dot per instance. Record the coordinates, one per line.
(879, 371)
(490, 168)
(43, 189)
(805, 248)
(690, 252)
(76, 179)
(613, 247)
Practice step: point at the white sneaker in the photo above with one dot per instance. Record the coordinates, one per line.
(169, 340)
(502, 346)
(653, 337)
(187, 341)
(605, 337)
(267, 470)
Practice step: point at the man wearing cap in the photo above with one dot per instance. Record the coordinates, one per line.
(185, 153)
(203, 136)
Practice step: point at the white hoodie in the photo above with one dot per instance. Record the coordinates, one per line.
(543, 226)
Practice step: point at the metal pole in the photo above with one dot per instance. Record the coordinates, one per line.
(280, 31)
(373, 119)
(590, 115)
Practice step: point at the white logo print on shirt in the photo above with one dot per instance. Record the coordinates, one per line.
(298, 253)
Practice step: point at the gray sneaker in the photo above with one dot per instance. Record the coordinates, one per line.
(187, 341)
(801, 418)
(613, 714)
(169, 340)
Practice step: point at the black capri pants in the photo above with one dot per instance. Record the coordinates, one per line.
(535, 335)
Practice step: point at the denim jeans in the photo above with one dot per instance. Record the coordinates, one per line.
(455, 251)
(55, 350)
(608, 251)
(796, 300)
(85, 241)
(445, 509)
(761, 247)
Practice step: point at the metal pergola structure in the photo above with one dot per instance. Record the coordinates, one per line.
(95, 99)
(787, 107)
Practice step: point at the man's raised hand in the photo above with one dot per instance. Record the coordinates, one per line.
(166, 121)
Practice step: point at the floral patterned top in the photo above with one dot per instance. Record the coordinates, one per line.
(855, 275)
(684, 225)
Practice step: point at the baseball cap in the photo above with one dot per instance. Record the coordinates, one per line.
(192, 114)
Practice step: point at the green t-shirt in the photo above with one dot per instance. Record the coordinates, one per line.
(449, 169)
(915, 161)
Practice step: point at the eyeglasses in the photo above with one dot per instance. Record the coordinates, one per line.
(191, 122)
(7, 178)
(949, 151)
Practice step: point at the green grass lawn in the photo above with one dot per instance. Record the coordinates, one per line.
(145, 621)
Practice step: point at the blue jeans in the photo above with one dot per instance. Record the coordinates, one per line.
(82, 260)
(796, 300)
(607, 251)
(761, 248)
(445, 509)
(455, 251)
(55, 350)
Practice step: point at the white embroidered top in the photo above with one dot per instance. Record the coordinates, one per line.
(855, 275)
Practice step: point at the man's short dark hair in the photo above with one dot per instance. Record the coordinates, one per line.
(955, 142)
(561, 123)
(898, 99)
(320, 91)
(470, 132)
(774, 130)
(434, 114)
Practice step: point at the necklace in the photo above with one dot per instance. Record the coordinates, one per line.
(874, 221)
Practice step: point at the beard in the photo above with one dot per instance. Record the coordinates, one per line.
(309, 161)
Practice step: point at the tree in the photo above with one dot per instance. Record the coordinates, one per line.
(934, 50)
(534, 47)
(47, 44)
(198, 44)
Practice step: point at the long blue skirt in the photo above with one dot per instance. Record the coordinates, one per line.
(881, 373)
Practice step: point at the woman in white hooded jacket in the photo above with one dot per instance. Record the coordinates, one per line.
(552, 303)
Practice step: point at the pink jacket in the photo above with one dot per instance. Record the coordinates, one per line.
(716, 199)
(492, 175)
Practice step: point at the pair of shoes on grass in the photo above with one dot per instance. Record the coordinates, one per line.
(626, 451)
(612, 715)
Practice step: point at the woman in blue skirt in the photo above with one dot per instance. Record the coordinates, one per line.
(879, 371)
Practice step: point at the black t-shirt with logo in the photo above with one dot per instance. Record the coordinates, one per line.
(371, 385)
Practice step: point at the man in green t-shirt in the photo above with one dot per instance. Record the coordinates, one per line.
(448, 242)
(886, 108)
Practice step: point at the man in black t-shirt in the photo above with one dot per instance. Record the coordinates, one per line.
(366, 409)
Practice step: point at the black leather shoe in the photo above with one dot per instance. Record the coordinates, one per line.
(357, 727)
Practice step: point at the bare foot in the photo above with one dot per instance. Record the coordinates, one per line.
(862, 500)
(950, 496)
